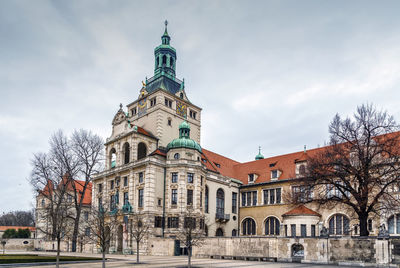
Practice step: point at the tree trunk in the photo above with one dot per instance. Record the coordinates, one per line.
(76, 229)
(363, 219)
(137, 251)
(104, 258)
(189, 257)
(58, 252)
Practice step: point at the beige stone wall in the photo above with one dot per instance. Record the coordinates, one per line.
(315, 249)
(18, 244)
(156, 118)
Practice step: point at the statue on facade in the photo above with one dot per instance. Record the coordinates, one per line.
(324, 232)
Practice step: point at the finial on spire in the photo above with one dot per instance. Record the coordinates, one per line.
(120, 106)
(166, 23)
(259, 149)
(305, 148)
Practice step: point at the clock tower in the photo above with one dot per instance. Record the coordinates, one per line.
(162, 103)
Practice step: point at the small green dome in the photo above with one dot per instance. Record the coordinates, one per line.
(259, 156)
(184, 143)
(184, 140)
(184, 124)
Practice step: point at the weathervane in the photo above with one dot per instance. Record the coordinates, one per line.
(166, 23)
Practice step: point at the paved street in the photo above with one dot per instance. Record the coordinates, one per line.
(167, 261)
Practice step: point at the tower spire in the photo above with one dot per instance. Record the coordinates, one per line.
(165, 56)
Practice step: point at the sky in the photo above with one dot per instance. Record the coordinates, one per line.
(266, 73)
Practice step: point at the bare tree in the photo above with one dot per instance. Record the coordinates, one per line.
(87, 148)
(51, 184)
(18, 218)
(80, 157)
(193, 231)
(102, 224)
(358, 168)
(138, 229)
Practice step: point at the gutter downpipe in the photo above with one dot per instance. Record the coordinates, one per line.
(163, 218)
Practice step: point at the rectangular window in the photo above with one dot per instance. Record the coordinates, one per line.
(251, 177)
(303, 229)
(302, 193)
(234, 203)
(86, 215)
(265, 196)
(87, 231)
(140, 177)
(189, 222)
(248, 201)
(286, 234)
(192, 114)
(201, 199)
(174, 196)
(173, 222)
(272, 196)
(125, 181)
(100, 200)
(189, 197)
(168, 103)
(174, 177)
(201, 180)
(140, 201)
(274, 174)
(126, 198)
(117, 181)
(190, 177)
(158, 222)
(313, 230)
(112, 202)
(293, 230)
(100, 187)
(254, 198)
(243, 199)
(153, 102)
(278, 195)
(133, 111)
(112, 184)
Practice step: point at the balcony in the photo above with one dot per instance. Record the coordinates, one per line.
(221, 217)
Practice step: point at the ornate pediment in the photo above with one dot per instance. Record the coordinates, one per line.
(119, 117)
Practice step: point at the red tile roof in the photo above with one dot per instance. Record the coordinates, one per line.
(145, 132)
(3, 228)
(158, 152)
(87, 199)
(301, 210)
(219, 163)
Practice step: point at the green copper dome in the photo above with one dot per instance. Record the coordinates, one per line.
(259, 156)
(184, 140)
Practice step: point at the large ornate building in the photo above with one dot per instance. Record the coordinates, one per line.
(156, 166)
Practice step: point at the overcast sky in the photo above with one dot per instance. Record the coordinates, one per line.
(266, 73)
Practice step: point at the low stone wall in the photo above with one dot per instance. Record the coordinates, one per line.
(318, 250)
(161, 246)
(21, 244)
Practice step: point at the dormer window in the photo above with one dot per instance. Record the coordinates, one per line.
(181, 95)
(252, 178)
(302, 170)
(217, 165)
(274, 174)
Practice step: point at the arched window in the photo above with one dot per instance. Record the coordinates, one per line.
(206, 200)
(171, 64)
(181, 95)
(176, 156)
(249, 227)
(297, 250)
(272, 226)
(394, 224)
(142, 150)
(339, 224)
(164, 60)
(113, 158)
(219, 232)
(157, 62)
(220, 202)
(127, 149)
(234, 232)
(205, 230)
